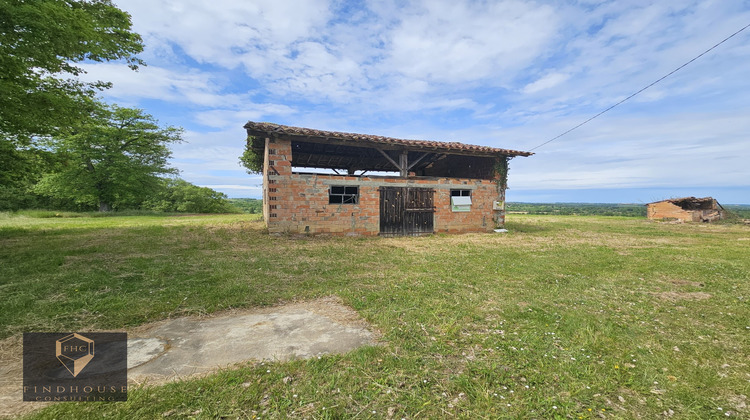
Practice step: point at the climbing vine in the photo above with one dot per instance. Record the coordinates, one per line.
(250, 159)
(501, 168)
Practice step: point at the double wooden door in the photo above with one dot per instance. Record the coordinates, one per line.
(406, 211)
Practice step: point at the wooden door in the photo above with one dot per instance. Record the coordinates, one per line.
(406, 211)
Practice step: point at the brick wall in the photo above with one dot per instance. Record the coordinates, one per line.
(667, 210)
(265, 181)
(299, 203)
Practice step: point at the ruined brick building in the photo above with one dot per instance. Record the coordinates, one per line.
(431, 186)
(686, 209)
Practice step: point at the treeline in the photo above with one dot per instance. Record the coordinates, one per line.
(248, 205)
(579, 209)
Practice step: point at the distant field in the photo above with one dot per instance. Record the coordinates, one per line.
(579, 209)
(255, 206)
(741, 210)
(562, 317)
(602, 209)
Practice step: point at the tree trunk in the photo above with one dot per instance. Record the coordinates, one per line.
(104, 206)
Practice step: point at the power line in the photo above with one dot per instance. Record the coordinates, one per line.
(657, 81)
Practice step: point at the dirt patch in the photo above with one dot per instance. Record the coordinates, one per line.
(333, 308)
(739, 403)
(680, 282)
(183, 347)
(677, 296)
(11, 371)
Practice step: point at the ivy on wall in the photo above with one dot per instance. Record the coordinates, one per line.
(501, 168)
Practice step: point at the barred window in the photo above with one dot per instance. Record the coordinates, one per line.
(460, 193)
(339, 194)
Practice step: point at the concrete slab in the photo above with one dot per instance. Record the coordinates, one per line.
(199, 345)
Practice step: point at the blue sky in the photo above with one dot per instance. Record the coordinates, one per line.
(509, 74)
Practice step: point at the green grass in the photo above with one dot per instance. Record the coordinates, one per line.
(562, 317)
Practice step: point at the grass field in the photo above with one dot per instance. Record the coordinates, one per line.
(562, 317)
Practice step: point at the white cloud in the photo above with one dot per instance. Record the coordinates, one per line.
(331, 52)
(615, 48)
(221, 118)
(189, 86)
(274, 41)
(211, 157)
(219, 109)
(644, 151)
(304, 49)
(220, 31)
(545, 82)
(237, 191)
(460, 42)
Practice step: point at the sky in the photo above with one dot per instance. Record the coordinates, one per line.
(508, 74)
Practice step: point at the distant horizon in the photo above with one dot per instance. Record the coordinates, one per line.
(548, 202)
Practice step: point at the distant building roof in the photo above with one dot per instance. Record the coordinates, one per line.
(308, 134)
(686, 200)
(690, 203)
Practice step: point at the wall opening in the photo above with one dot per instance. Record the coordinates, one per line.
(341, 194)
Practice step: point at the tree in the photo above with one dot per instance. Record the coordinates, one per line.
(40, 40)
(114, 161)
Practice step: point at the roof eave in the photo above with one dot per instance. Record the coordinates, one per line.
(386, 143)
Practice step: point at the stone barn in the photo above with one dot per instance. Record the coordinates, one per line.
(377, 185)
(686, 209)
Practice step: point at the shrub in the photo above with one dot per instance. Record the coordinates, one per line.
(178, 195)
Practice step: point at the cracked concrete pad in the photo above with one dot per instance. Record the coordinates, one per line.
(195, 345)
(143, 350)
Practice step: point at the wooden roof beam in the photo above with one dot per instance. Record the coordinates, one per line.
(389, 159)
(419, 159)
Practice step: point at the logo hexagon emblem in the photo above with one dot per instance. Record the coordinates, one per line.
(74, 351)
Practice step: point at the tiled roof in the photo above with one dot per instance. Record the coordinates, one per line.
(263, 128)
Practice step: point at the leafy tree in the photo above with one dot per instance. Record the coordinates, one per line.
(178, 195)
(113, 162)
(40, 40)
(21, 169)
